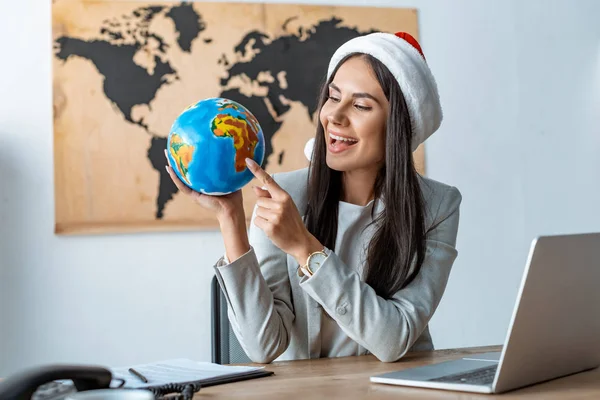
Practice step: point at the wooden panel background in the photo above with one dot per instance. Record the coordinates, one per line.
(109, 125)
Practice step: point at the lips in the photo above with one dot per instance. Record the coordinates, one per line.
(339, 143)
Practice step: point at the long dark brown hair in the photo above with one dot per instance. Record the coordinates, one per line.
(397, 248)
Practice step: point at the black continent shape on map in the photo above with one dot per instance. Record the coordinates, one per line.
(156, 155)
(303, 58)
(140, 19)
(149, 12)
(126, 84)
(188, 23)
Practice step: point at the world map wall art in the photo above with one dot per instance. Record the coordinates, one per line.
(124, 70)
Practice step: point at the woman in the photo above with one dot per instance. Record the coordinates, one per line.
(351, 255)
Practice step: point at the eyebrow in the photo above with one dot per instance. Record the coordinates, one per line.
(355, 95)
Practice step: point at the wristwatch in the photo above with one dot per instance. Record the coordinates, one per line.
(313, 262)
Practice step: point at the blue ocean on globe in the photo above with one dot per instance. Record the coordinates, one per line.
(209, 142)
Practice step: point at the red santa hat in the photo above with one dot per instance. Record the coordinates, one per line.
(403, 56)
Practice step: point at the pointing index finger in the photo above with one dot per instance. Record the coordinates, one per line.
(264, 178)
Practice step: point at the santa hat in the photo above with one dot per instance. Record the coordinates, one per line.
(402, 55)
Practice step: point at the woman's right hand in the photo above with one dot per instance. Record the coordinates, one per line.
(225, 206)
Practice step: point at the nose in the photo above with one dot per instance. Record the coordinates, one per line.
(336, 116)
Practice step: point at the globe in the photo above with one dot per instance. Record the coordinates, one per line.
(209, 142)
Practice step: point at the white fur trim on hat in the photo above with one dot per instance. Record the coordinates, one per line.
(410, 70)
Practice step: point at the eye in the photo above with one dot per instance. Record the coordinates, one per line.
(333, 98)
(362, 108)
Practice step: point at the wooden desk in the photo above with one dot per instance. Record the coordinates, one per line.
(348, 378)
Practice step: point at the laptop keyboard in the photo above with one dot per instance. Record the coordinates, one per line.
(481, 376)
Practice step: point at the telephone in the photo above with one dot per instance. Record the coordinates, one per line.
(23, 385)
(39, 383)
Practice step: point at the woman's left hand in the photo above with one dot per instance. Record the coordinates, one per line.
(278, 217)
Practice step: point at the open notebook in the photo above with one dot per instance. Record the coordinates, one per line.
(182, 370)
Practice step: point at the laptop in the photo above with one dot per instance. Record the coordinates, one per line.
(554, 330)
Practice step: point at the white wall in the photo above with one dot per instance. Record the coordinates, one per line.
(520, 85)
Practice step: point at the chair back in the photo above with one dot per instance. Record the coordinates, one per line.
(226, 348)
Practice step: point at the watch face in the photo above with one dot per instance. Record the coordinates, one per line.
(316, 260)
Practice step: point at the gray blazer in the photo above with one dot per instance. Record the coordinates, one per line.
(277, 315)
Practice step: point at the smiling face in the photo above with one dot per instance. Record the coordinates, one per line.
(354, 118)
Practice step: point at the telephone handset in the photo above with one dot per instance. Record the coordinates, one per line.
(22, 385)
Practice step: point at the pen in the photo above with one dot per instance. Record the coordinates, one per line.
(142, 377)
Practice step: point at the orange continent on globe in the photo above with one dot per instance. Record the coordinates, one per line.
(244, 137)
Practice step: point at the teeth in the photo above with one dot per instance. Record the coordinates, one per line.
(331, 135)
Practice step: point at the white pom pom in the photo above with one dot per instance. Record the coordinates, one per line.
(308, 148)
